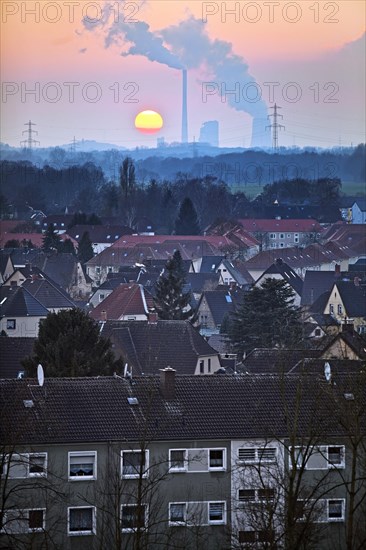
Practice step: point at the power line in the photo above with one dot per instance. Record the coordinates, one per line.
(30, 141)
(275, 126)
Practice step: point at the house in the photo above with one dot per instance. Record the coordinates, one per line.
(359, 211)
(60, 222)
(317, 283)
(282, 233)
(281, 271)
(214, 306)
(6, 265)
(347, 344)
(197, 283)
(101, 236)
(50, 295)
(127, 302)
(235, 272)
(149, 345)
(20, 312)
(347, 300)
(274, 360)
(13, 351)
(190, 459)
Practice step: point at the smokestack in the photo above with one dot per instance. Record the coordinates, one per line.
(184, 109)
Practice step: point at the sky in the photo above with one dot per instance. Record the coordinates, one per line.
(84, 70)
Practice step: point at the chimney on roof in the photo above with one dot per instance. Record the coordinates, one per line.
(337, 270)
(104, 315)
(167, 383)
(279, 261)
(356, 281)
(347, 325)
(152, 316)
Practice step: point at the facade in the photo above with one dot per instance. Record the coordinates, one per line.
(279, 233)
(359, 211)
(196, 463)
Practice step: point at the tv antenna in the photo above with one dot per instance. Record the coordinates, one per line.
(30, 141)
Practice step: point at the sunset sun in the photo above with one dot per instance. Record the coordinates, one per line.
(149, 122)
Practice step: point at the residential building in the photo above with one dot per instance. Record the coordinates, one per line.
(20, 312)
(359, 211)
(278, 233)
(347, 301)
(161, 461)
(281, 271)
(127, 302)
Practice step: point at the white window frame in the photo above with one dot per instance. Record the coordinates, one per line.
(134, 529)
(340, 309)
(216, 522)
(177, 523)
(207, 450)
(257, 458)
(137, 475)
(22, 517)
(343, 504)
(82, 533)
(256, 499)
(324, 505)
(82, 454)
(323, 450)
(26, 461)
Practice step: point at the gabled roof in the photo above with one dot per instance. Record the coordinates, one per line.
(324, 319)
(222, 302)
(99, 233)
(353, 298)
(293, 226)
(48, 294)
(13, 351)
(337, 366)
(274, 360)
(35, 238)
(149, 346)
(126, 299)
(279, 267)
(316, 283)
(361, 203)
(238, 275)
(203, 408)
(352, 339)
(18, 302)
(209, 264)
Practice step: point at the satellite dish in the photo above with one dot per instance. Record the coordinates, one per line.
(40, 375)
(327, 372)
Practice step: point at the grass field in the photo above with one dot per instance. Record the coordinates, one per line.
(252, 190)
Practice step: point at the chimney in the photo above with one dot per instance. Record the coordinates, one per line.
(356, 281)
(184, 109)
(167, 383)
(104, 315)
(337, 270)
(152, 317)
(347, 325)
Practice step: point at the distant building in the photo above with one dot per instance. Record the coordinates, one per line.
(209, 133)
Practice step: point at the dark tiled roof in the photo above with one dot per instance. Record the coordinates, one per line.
(13, 351)
(267, 360)
(198, 282)
(99, 233)
(222, 302)
(148, 347)
(316, 283)
(18, 302)
(60, 268)
(352, 339)
(324, 319)
(353, 298)
(209, 264)
(219, 343)
(337, 366)
(48, 294)
(280, 267)
(203, 407)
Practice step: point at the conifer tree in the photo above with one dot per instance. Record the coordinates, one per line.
(171, 302)
(187, 221)
(266, 318)
(85, 252)
(51, 239)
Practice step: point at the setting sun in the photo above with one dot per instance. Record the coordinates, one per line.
(148, 122)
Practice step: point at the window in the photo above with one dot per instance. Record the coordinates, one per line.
(331, 309)
(273, 245)
(272, 235)
(217, 459)
(216, 512)
(134, 516)
(27, 465)
(82, 465)
(197, 460)
(257, 454)
(177, 513)
(282, 235)
(135, 463)
(340, 309)
(336, 510)
(202, 366)
(209, 365)
(320, 458)
(24, 521)
(289, 235)
(265, 494)
(296, 239)
(81, 520)
(97, 269)
(246, 495)
(177, 459)
(317, 332)
(11, 324)
(282, 245)
(101, 297)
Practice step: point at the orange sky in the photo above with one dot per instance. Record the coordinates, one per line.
(44, 51)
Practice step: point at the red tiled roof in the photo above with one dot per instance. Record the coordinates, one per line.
(302, 226)
(127, 299)
(36, 238)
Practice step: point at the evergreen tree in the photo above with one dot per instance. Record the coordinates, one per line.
(69, 344)
(51, 239)
(127, 177)
(266, 318)
(85, 251)
(67, 247)
(187, 221)
(170, 301)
